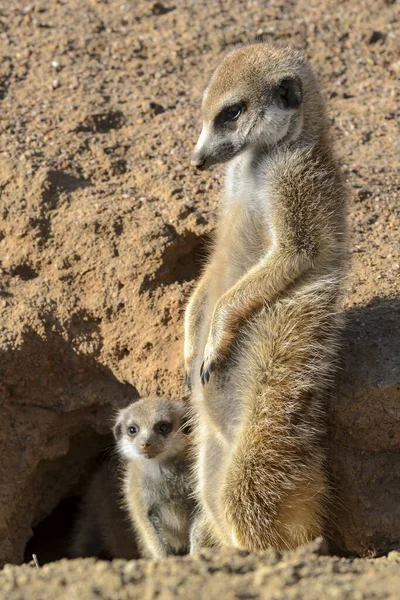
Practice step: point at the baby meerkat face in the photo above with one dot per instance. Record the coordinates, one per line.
(253, 100)
(151, 428)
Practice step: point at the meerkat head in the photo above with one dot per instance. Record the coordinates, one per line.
(254, 98)
(151, 428)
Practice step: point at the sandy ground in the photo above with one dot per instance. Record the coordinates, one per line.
(103, 226)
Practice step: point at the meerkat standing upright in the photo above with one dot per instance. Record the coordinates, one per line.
(156, 483)
(261, 326)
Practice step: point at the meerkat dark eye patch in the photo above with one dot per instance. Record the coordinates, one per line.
(132, 429)
(163, 427)
(288, 94)
(230, 114)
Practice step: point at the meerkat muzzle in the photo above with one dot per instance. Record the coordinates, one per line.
(198, 161)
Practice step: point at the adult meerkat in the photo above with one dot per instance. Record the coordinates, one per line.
(103, 528)
(156, 483)
(261, 326)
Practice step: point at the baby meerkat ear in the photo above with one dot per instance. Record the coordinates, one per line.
(288, 93)
(186, 426)
(117, 430)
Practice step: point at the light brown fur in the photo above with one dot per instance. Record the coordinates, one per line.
(156, 480)
(262, 324)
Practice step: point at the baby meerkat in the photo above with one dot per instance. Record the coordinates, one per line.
(156, 484)
(261, 327)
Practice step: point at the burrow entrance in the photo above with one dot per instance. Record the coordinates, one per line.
(53, 536)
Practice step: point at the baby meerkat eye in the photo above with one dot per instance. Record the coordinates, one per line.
(132, 429)
(163, 427)
(230, 114)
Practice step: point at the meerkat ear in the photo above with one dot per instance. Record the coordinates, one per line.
(186, 427)
(288, 93)
(117, 430)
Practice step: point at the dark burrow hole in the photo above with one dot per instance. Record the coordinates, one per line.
(56, 536)
(51, 538)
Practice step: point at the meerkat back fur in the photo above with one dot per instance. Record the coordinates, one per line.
(156, 482)
(261, 327)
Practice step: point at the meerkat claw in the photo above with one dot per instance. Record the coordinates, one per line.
(205, 378)
(202, 369)
(186, 380)
(205, 373)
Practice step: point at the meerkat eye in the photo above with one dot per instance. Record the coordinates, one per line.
(163, 427)
(230, 114)
(233, 112)
(133, 429)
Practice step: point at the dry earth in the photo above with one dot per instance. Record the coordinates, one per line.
(223, 575)
(102, 231)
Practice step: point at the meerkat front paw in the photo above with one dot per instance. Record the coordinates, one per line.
(207, 366)
(223, 331)
(214, 355)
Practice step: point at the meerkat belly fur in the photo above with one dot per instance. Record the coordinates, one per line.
(156, 482)
(261, 327)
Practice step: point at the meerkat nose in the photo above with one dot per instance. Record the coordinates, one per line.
(198, 161)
